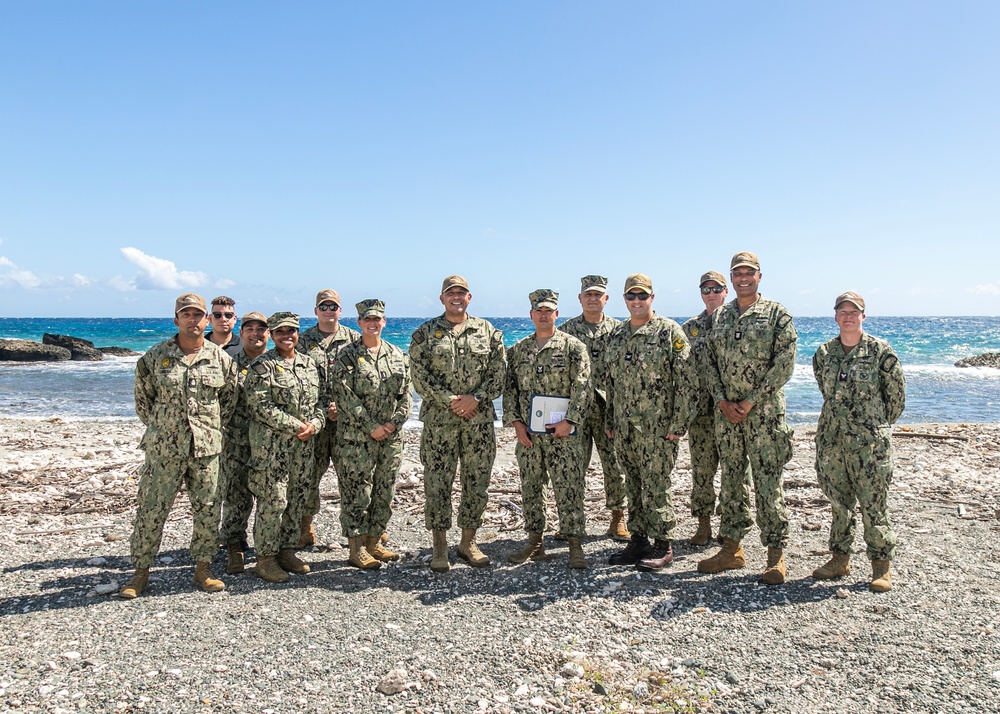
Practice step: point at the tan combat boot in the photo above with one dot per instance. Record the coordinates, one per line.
(290, 562)
(838, 566)
(134, 587)
(774, 573)
(267, 568)
(704, 532)
(373, 544)
(469, 551)
(577, 560)
(534, 549)
(359, 556)
(729, 557)
(439, 561)
(617, 529)
(881, 581)
(307, 535)
(234, 560)
(204, 580)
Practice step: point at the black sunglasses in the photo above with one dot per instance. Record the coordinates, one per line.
(220, 315)
(717, 289)
(328, 308)
(636, 296)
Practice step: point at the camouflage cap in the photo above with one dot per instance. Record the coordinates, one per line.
(190, 300)
(371, 306)
(544, 298)
(745, 259)
(639, 281)
(327, 295)
(597, 283)
(453, 281)
(283, 319)
(851, 297)
(712, 275)
(252, 317)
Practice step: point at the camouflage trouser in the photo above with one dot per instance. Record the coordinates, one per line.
(648, 460)
(159, 483)
(367, 481)
(234, 493)
(325, 454)
(764, 441)
(558, 460)
(704, 463)
(857, 471)
(280, 481)
(442, 448)
(592, 433)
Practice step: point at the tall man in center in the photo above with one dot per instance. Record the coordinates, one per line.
(457, 363)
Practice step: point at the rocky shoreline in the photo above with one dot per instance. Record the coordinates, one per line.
(530, 638)
(58, 348)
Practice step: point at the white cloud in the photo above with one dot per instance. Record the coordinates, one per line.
(158, 273)
(16, 275)
(988, 289)
(81, 281)
(224, 283)
(4, 262)
(125, 285)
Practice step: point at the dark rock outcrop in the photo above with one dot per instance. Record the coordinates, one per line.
(31, 351)
(82, 350)
(987, 359)
(119, 351)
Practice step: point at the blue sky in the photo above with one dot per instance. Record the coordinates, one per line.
(267, 150)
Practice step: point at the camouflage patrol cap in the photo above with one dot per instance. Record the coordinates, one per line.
(745, 259)
(190, 300)
(370, 307)
(597, 283)
(851, 297)
(327, 295)
(252, 317)
(283, 319)
(639, 281)
(544, 298)
(712, 275)
(453, 281)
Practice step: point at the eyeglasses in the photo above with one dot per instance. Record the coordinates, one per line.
(220, 315)
(717, 289)
(328, 308)
(636, 296)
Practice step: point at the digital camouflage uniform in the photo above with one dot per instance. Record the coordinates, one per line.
(863, 394)
(184, 403)
(448, 361)
(751, 356)
(281, 396)
(369, 391)
(234, 465)
(559, 369)
(591, 432)
(652, 382)
(324, 349)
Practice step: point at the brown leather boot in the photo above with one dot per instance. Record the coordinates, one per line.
(267, 569)
(439, 561)
(469, 551)
(534, 549)
(307, 535)
(704, 532)
(290, 562)
(660, 556)
(204, 580)
(881, 580)
(729, 557)
(134, 587)
(774, 573)
(234, 560)
(577, 560)
(617, 529)
(359, 556)
(838, 566)
(373, 544)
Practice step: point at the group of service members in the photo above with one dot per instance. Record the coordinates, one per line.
(237, 423)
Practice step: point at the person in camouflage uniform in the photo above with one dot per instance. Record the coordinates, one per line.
(592, 328)
(372, 388)
(185, 392)
(554, 364)
(651, 383)
(234, 466)
(324, 342)
(751, 355)
(457, 362)
(283, 396)
(864, 392)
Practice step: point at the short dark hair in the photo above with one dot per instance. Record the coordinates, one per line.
(223, 300)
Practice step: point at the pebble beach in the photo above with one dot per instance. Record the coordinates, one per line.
(530, 638)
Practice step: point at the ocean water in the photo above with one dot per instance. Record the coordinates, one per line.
(928, 347)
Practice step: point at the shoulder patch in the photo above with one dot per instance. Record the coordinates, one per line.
(141, 368)
(259, 368)
(679, 344)
(784, 320)
(888, 363)
(419, 337)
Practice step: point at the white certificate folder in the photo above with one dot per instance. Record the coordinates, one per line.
(546, 410)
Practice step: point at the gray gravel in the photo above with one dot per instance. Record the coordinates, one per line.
(530, 638)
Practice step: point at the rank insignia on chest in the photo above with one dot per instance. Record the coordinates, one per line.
(628, 356)
(243, 371)
(738, 335)
(383, 375)
(843, 376)
(438, 334)
(281, 369)
(165, 363)
(361, 360)
(539, 369)
(595, 353)
(694, 332)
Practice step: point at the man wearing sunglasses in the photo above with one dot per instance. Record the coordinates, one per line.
(324, 341)
(751, 355)
(223, 321)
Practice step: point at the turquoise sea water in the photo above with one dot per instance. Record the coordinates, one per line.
(928, 347)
